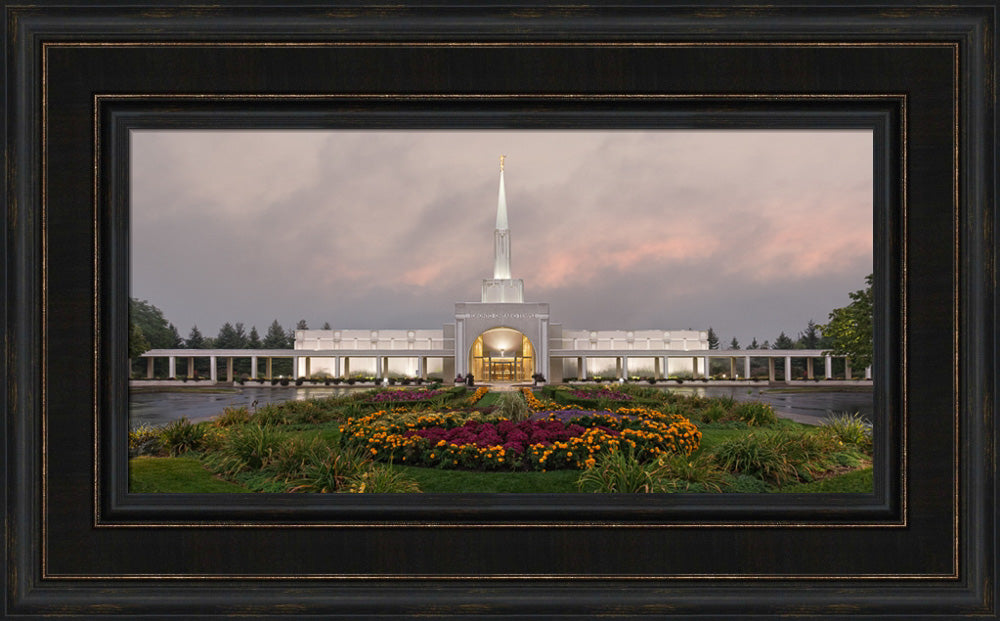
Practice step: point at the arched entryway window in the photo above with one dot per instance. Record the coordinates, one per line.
(502, 355)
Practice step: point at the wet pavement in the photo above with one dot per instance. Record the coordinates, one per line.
(809, 406)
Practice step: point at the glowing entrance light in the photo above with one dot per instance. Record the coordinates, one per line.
(502, 354)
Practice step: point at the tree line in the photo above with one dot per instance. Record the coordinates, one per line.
(149, 329)
(848, 332)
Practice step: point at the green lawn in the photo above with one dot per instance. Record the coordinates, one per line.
(859, 481)
(187, 474)
(467, 481)
(174, 474)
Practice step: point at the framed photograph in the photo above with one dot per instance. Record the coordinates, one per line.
(91, 89)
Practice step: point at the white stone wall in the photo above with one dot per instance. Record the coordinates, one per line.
(361, 340)
(369, 339)
(634, 339)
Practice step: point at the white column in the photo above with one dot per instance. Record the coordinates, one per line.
(809, 368)
(656, 368)
(378, 366)
(347, 366)
(461, 356)
(269, 372)
(543, 363)
(704, 371)
(847, 368)
(253, 367)
(868, 372)
(666, 367)
(190, 367)
(213, 372)
(421, 366)
(694, 367)
(618, 366)
(229, 369)
(828, 367)
(149, 368)
(173, 367)
(583, 367)
(746, 366)
(625, 367)
(770, 369)
(336, 366)
(732, 367)
(788, 368)
(308, 366)
(295, 367)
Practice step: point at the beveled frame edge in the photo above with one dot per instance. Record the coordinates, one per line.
(976, 595)
(885, 507)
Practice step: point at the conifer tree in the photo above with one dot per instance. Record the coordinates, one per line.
(713, 339)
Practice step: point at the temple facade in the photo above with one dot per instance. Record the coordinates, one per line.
(500, 338)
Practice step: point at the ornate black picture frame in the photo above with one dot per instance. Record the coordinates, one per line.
(80, 77)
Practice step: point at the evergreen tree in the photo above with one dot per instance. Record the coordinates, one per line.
(810, 337)
(175, 336)
(713, 339)
(850, 328)
(782, 342)
(275, 337)
(195, 340)
(753, 344)
(241, 335)
(227, 338)
(734, 344)
(766, 344)
(301, 325)
(253, 341)
(326, 325)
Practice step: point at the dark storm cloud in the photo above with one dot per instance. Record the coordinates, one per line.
(749, 232)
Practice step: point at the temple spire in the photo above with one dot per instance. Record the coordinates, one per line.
(502, 201)
(502, 288)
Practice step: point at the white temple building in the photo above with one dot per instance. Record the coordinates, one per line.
(500, 338)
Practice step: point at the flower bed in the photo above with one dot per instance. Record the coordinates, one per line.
(404, 395)
(479, 394)
(601, 393)
(561, 439)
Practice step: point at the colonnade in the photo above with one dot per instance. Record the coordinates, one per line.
(702, 359)
(341, 361)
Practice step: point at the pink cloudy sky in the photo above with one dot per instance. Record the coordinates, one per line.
(750, 232)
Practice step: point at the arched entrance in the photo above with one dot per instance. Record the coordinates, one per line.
(502, 354)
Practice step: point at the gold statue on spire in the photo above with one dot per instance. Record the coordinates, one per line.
(501, 162)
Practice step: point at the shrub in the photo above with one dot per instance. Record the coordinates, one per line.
(232, 416)
(756, 413)
(327, 469)
(271, 414)
(746, 484)
(758, 455)
(690, 473)
(143, 440)
(714, 413)
(620, 472)
(181, 436)
(381, 479)
(851, 429)
(247, 447)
